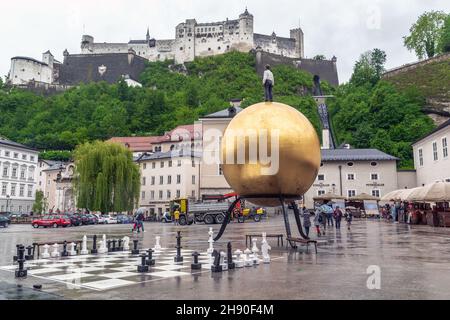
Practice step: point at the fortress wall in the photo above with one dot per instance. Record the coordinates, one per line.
(23, 70)
(412, 66)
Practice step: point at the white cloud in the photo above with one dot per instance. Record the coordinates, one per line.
(342, 28)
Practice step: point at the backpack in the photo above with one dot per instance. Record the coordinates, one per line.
(320, 218)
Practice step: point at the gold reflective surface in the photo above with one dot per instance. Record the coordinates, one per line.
(298, 153)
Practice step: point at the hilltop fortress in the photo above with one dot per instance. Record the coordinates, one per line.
(194, 39)
(112, 61)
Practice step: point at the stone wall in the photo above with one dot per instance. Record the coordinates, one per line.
(412, 66)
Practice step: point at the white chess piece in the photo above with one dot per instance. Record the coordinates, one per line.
(223, 263)
(46, 254)
(84, 249)
(55, 252)
(265, 247)
(211, 242)
(239, 262)
(157, 246)
(248, 262)
(255, 251)
(126, 243)
(72, 251)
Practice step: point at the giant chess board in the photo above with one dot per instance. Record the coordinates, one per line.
(113, 270)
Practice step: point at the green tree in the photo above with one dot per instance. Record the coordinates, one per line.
(107, 179)
(319, 57)
(39, 203)
(444, 41)
(369, 68)
(425, 34)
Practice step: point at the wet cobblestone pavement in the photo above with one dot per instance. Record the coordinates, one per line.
(414, 262)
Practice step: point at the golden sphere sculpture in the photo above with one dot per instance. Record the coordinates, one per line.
(270, 150)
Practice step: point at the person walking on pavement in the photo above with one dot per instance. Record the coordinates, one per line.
(268, 83)
(176, 216)
(337, 217)
(349, 218)
(317, 221)
(306, 221)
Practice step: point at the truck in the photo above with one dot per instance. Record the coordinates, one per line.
(210, 210)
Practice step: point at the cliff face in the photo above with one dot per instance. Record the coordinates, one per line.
(431, 78)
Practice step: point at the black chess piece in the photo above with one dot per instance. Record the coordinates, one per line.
(30, 253)
(196, 265)
(143, 267)
(114, 249)
(150, 261)
(231, 264)
(120, 247)
(17, 253)
(65, 253)
(94, 245)
(135, 247)
(178, 257)
(21, 271)
(108, 242)
(216, 267)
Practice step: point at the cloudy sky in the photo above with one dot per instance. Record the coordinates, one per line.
(344, 28)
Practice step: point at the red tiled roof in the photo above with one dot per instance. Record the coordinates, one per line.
(137, 144)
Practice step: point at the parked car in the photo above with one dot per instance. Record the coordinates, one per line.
(17, 215)
(4, 220)
(52, 221)
(75, 220)
(124, 219)
(101, 218)
(109, 219)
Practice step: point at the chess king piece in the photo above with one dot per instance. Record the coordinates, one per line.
(126, 243)
(157, 244)
(265, 248)
(143, 267)
(72, 251)
(21, 271)
(196, 265)
(55, 252)
(45, 254)
(289, 174)
(84, 249)
(231, 264)
(150, 261)
(239, 262)
(216, 267)
(135, 247)
(102, 247)
(94, 245)
(178, 257)
(248, 262)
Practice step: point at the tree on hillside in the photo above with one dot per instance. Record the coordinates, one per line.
(425, 34)
(444, 41)
(319, 57)
(369, 68)
(107, 179)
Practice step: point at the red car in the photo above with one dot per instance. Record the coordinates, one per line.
(52, 221)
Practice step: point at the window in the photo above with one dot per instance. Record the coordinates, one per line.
(153, 165)
(178, 194)
(351, 193)
(193, 179)
(321, 177)
(170, 163)
(161, 180)
(21, 190)
(31, 158)
(22, 173)
(24, 157)
(4, 186)
(5, 171)
(160, 194)
(16, 155)
(193, 194)
(13, 190)
(435, 151)
(152, 195)
(7, 153)
(143, 195)
(30, 191)
(193, 164)
(162, 164)
(168, 194)
(444, 148)
(14, 172)
(350, 164)
(144, 166)
(320, 192)
(153, 181)
(373, 164)
(421, 157)
(374, 176)
(169, 179)
(178, 178)
(376, 193)
(179, 163)
(351, 176)
(144, 180)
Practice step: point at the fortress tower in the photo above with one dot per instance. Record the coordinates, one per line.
(298, 35)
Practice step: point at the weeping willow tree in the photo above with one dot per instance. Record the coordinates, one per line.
(107, 179)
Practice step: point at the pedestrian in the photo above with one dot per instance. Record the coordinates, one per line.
(176, 216)
(349, 218)
(323, 220)
(330, 218)
(268, 83)
(306, 221)
(337, 217)
(317, 222)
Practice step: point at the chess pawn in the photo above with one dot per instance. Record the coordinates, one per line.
(84, 249)
(265, 247)
(72, 251)
(247, 260)
(46, 254)
(55, 252)
(157, 244)
(126, 243)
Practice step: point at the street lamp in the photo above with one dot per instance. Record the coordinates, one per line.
(7, 202)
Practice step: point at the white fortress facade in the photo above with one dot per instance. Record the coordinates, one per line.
(194, 39)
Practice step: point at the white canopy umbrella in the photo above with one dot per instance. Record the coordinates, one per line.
(434, 192)
(393, 195)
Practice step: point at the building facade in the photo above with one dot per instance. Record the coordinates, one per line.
(18, 177)
(166, 176)
(431, 156)
(58, 189)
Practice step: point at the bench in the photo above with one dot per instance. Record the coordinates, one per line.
(302, 241)
(248, 238)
